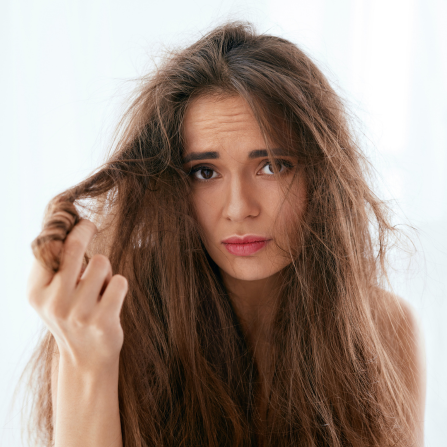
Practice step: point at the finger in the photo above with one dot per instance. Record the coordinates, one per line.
(113, 297)
(80, 274)
(94, 280)
(38, 279)
(41, 275)
(73, 251)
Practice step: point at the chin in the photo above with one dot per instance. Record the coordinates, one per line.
(247, 276)
(249, 272)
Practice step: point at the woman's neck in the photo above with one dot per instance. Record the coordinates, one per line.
(255, 305)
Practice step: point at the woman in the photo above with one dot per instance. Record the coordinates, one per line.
(232, 289)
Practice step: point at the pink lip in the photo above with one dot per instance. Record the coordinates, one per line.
(246, 245)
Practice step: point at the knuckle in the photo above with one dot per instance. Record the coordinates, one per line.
(73, 246)
(104, 324)
(100, 325)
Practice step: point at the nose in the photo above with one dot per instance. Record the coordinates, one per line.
(240, 200)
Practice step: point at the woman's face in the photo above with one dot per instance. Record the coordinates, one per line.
(237, 197)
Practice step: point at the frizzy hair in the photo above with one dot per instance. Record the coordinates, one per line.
(187, 376)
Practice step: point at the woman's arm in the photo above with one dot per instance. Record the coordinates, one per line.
(83, 314)
(85, 406)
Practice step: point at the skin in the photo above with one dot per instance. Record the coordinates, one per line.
(236, 194)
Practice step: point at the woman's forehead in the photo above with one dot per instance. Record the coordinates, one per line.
(215, 121)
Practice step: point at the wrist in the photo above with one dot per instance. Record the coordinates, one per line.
(88, 370)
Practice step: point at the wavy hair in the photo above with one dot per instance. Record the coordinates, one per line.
(187, 376)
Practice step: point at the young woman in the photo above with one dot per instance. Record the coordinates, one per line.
(220, 281)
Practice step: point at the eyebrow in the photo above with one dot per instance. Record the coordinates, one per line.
(257, 153)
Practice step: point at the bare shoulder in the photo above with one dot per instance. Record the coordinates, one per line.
(409, 335)
(401, 324)
(411, 339)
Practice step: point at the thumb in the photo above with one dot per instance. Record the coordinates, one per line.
(40, 275)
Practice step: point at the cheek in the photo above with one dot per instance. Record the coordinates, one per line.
(289, 224)
(206, 213)
(283, 207)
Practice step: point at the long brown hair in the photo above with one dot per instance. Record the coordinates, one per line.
(187, 376)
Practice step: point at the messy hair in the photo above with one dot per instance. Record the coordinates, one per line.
(187, 376)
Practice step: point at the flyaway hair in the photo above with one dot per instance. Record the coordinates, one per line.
(187, 376)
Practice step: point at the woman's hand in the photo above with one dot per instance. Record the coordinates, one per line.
(82, 312)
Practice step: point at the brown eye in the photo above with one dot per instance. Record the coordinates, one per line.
(206, 173)
(202, 173)
(282, 166)
(270, 168)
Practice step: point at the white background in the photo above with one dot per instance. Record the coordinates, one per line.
(65, 71)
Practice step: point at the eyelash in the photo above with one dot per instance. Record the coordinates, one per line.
(287, 164)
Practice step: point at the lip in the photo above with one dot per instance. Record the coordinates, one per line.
(245, 245)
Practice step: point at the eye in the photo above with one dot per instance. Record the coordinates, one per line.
(202, 173)
(282, 165)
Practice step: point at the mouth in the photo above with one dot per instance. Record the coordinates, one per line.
(245, 245)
